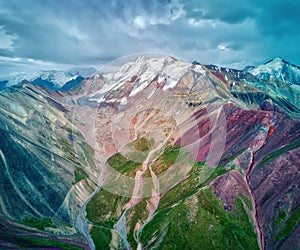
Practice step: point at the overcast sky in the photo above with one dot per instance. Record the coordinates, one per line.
(40, 34)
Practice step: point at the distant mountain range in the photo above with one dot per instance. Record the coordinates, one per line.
(276, 68)
(52, 79)
(159, 154)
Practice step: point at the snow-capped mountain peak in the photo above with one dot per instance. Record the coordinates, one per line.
(146, 69)
(278, 68)
(53, 79)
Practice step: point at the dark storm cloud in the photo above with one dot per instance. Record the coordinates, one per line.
(226, 10)
(92, 32)
(279, 18)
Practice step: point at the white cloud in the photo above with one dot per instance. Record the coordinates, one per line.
(223, 47)
(201, 22)
(11, 65)
(139, 22)
(10, 59)
(6, 40)
(160, 14)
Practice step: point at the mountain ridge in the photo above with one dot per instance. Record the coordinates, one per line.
(58, 78)
(279, 69)
(53, 79)
(155, 147)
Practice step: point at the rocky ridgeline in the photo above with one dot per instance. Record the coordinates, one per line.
(200, 151)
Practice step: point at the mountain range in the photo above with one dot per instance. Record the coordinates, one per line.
(52, 79)
(158, 154)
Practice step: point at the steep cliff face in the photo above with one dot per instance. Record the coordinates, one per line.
(47, 168)
(189, 156)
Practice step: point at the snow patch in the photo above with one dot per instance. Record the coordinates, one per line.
(146, 69)
(199, 69)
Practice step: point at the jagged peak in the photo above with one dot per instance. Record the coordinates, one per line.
(276, 59)
(141, 58)
(144, 58)
(196, 63)
(278, 68)
(280, 61)
(276, 63)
